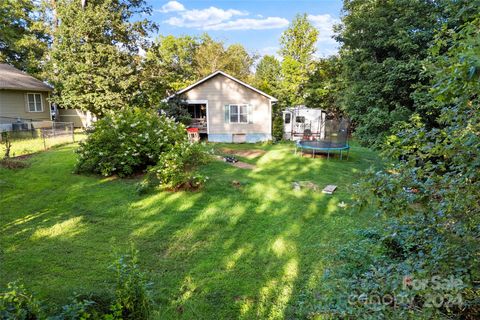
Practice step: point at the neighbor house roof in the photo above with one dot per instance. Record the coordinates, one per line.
(226, 75)
(13, 79)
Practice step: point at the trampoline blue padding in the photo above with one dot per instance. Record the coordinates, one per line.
(322, 146)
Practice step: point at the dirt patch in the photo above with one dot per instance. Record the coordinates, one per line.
(249, 154)
(243, 165)
(238, 164)
(13, 163)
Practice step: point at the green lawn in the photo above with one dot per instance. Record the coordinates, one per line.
(222, 252)
(32, 144)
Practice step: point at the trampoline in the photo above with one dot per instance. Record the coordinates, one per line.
(335, 140)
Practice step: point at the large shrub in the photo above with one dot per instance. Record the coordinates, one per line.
(176, 168)
(128, 141)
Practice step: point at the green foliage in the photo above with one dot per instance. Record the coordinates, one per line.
(324, 87)
(383, 46)
(88, 66)
(132, 299)
(23, 38)
(169, 66)
(297, 47)
(6, 140)
(127, 141)
(16, 303)
(268, 74)
(176, 109)
(78, 309)
(173, 63)
(277, 127)
(299, 40)
(132, 291)
(176, 168)
(430, 199)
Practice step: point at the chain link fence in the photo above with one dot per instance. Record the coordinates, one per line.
(24, 136)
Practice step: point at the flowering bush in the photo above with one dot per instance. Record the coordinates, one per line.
(128, 141)
(176, 168)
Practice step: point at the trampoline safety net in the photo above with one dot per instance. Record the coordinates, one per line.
(335, 138)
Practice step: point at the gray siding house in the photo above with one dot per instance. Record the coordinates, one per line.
(22, 96)
(228, 110)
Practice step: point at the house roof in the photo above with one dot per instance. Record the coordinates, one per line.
(226, 75)
(13, 79)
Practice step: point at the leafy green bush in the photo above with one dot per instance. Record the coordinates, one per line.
(132, 291)
(19, 304)
(127, 141)
(176, 168)
(277, 130)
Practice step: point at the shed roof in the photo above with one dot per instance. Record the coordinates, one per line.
(228, 76)
(13, 79)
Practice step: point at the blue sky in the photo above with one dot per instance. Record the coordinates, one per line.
(257, 25)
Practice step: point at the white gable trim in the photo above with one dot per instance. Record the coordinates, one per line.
(226, 75)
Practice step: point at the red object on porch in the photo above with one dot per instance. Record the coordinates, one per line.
(192, 129)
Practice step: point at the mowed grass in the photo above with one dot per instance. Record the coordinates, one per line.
(223, 252)
(33, 144)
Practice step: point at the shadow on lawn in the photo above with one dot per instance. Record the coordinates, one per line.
(222, 252)
(247, 249)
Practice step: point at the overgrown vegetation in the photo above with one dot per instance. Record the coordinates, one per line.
(426, 260)
(176, 168)
(131, 299)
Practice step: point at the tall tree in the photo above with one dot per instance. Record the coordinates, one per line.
(268, 74)
(94, 57)
(23, 39)
(173, 63)
(209, 56)
(384, 44)
(238, 62)
(324, 85)
(169, 65)
(297, 48)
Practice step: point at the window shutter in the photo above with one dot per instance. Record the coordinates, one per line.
(227, 113)
(249, 110)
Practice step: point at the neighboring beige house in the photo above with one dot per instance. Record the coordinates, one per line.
(228, 110)
(22, 96)
(80, 118)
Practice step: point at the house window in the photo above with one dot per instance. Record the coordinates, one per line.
(34, 101)
(287, 118)
(238, 113)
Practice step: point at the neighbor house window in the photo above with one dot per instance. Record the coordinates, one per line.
(287, 118)
(34, 101)
(238, 113)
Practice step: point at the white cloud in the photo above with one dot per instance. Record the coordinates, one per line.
(203, 18)
(214, 18)
(324, 23)
(172, 6)
(250, 24)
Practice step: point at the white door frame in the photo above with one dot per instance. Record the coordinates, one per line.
(206, 104)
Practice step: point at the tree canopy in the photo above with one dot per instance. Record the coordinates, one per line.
(23, 40)
(94, 56)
